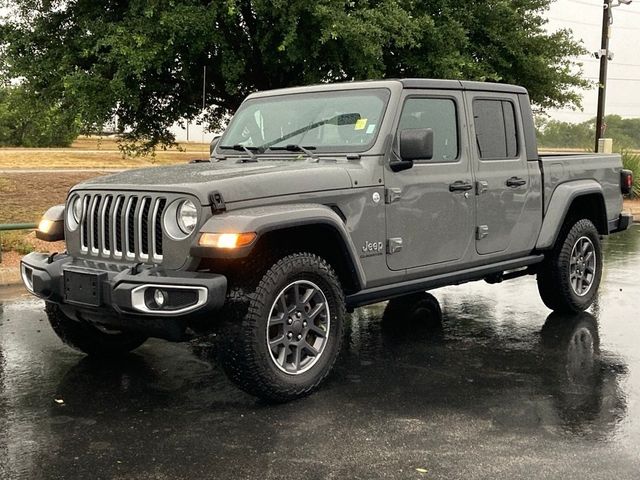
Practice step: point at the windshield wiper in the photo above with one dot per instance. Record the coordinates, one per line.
(249, 151)
(298, 148)
(342, 119)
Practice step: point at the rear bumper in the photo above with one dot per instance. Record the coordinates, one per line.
(119, 296)
(620, 224)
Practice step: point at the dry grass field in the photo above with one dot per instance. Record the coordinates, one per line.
(95, 152)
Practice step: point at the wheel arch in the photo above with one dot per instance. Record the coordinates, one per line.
(571, 201)
(312, 228)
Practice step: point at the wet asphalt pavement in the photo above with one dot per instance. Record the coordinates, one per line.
(496, 388)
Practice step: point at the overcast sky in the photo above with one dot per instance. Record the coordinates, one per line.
(584, 18)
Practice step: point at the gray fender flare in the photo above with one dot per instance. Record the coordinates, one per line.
(561, 200)
(262, 220)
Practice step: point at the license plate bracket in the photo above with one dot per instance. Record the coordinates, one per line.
(83, 287)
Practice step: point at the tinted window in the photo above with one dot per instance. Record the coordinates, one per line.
(439, 114)
(496, 131)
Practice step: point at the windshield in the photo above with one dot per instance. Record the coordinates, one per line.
(335, 121)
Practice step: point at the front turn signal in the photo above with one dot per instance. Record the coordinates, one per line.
(226, 240)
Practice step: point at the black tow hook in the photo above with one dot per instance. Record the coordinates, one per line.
(135, 270)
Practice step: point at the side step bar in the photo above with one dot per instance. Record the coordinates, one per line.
(386, 292)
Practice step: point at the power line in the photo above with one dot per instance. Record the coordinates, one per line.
(581, 2)
(599, 5)
(620, 79)
(588, 24)
(613, 62)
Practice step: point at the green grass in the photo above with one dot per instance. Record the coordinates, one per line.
(15, 242)
(631, 161)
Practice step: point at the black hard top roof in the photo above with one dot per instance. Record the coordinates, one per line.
(431, 83)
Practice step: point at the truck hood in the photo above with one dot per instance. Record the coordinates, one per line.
(236, 182)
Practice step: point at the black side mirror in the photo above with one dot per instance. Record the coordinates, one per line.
(415, 144)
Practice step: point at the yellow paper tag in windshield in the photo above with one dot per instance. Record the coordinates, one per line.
(361, 124)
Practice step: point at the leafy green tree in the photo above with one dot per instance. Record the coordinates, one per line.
(625, 133)
(144, 61)
(28, 120)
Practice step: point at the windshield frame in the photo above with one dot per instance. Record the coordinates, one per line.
(319, 150)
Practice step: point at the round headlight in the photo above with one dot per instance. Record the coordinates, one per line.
(74, 212)
(77, 209)
(187, 216)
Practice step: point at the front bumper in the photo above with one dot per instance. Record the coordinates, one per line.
(119, 296)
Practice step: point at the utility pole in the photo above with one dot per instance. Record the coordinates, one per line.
(605, 57)
(204, 94)
(604, 64)
(204, 87)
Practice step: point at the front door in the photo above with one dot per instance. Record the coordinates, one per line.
(430, 207)
(502, 174)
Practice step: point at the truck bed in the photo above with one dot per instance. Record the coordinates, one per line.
(601, 167)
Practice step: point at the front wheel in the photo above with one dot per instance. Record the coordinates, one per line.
(570, 275)
(283, 331)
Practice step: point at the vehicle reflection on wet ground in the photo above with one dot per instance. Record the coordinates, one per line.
(483, 382)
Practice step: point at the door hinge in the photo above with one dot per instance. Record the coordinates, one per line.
(481, 232)
(394, 245)
(392, 195)
(481, 187)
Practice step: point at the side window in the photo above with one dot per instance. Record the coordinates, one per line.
(496, 131)
(440, 115)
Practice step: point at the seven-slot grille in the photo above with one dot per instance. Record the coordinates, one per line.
(122, 226)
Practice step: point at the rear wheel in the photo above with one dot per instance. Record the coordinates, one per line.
(283, 331)
(570, 275)
(89, 339)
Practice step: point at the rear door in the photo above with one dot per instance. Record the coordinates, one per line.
(501, 171)
(429, 207)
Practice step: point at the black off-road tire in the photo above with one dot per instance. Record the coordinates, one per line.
(87, 338)
(554, 274)
(414, 309)
(243, 351)
(414, 317)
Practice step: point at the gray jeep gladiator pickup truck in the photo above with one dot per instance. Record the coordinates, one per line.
(318, 200)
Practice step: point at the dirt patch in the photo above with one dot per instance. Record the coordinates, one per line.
(9, 271)
(10, 259)
(24, 197)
